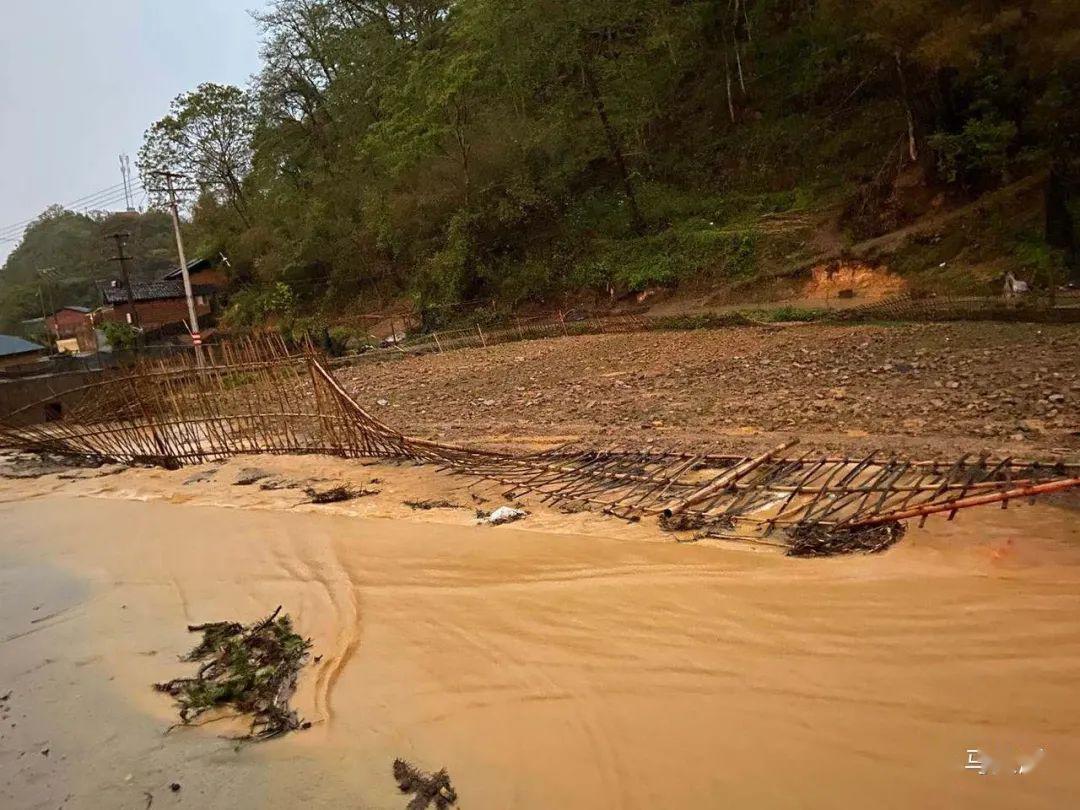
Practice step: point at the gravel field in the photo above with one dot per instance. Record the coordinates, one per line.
(918, 388)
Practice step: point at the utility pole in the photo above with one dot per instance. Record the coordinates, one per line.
(121, 240)
(43, 273)
(175, 208)
(44, 317)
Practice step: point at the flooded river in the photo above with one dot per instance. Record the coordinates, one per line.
(544, 670)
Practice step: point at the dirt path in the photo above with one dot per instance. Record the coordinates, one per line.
(922, 388)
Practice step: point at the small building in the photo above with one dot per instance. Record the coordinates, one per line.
(68, 322)
(157, 304)
(72, 329)
(14, 351)
(203, 272)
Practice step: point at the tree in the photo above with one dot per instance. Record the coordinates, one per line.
(207, 136)
(505, 150)
(74, 248)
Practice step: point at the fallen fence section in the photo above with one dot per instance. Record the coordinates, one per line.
(258, 397)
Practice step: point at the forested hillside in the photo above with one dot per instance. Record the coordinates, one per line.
(74, 249)
(515, 151)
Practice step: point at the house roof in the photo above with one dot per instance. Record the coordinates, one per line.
(193, 266)
(83, 310)
(10, 345)
(114, 292)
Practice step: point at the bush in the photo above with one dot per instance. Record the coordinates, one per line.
(121, 336)
(693, 249)
(255, 305)
(978, 153)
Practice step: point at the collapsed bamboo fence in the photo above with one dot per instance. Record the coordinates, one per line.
(258, 396)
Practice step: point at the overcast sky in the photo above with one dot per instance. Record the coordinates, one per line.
(81, 80)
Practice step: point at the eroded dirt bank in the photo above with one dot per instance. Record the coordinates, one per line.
(566, 661)
(923, 388)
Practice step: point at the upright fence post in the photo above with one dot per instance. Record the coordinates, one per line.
(482, 339)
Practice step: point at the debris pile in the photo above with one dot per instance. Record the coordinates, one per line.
(427, 789)
(426, 506)
(824, 541)
(337, 494)
(252, 669)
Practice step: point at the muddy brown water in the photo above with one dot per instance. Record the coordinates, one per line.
(543, 670)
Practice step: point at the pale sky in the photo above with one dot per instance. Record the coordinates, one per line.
(81, 80)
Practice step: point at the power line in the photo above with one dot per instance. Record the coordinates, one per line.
(106, 196)
(101, 204)
(74, 204)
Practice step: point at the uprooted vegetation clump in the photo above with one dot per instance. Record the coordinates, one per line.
(824, 541)
(251, 669)
(427, 789)
(337, 494)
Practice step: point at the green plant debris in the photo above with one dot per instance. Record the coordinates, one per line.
(427, 789)
(252, 669)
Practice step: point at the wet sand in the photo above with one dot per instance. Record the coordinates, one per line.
(601, 666)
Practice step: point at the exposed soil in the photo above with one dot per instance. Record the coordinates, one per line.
(920, 388)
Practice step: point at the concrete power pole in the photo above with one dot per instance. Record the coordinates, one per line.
(121, 240)
(45, 279)
(175, 208)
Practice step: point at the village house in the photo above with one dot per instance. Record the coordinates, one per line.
(157, 304)
(203, 272)
(14, 351)
(73, 329)
(162, 305)
(68, 322)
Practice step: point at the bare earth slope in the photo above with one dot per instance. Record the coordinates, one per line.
(922, 388)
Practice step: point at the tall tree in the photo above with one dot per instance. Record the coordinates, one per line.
(207, 136)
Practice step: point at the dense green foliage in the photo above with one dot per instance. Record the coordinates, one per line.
(511, 151)
(74, 250)
(121, 336)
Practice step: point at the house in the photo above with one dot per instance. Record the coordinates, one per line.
(67, 322)
(202, 272)
(157, 304)
(73, 329)
(15, 351)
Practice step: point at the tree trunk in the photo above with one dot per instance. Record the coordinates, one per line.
(461, 119)
(727, 76)
(615, 147)
(1060, 224)
(913, 149)
(738, 64)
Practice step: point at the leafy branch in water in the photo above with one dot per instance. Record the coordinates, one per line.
(252, 669)
(427, 789)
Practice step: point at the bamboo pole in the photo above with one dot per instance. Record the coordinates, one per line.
(966, 503)
(724, 480)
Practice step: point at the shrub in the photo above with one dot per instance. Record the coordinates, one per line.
(121, 336)
(979, 152)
